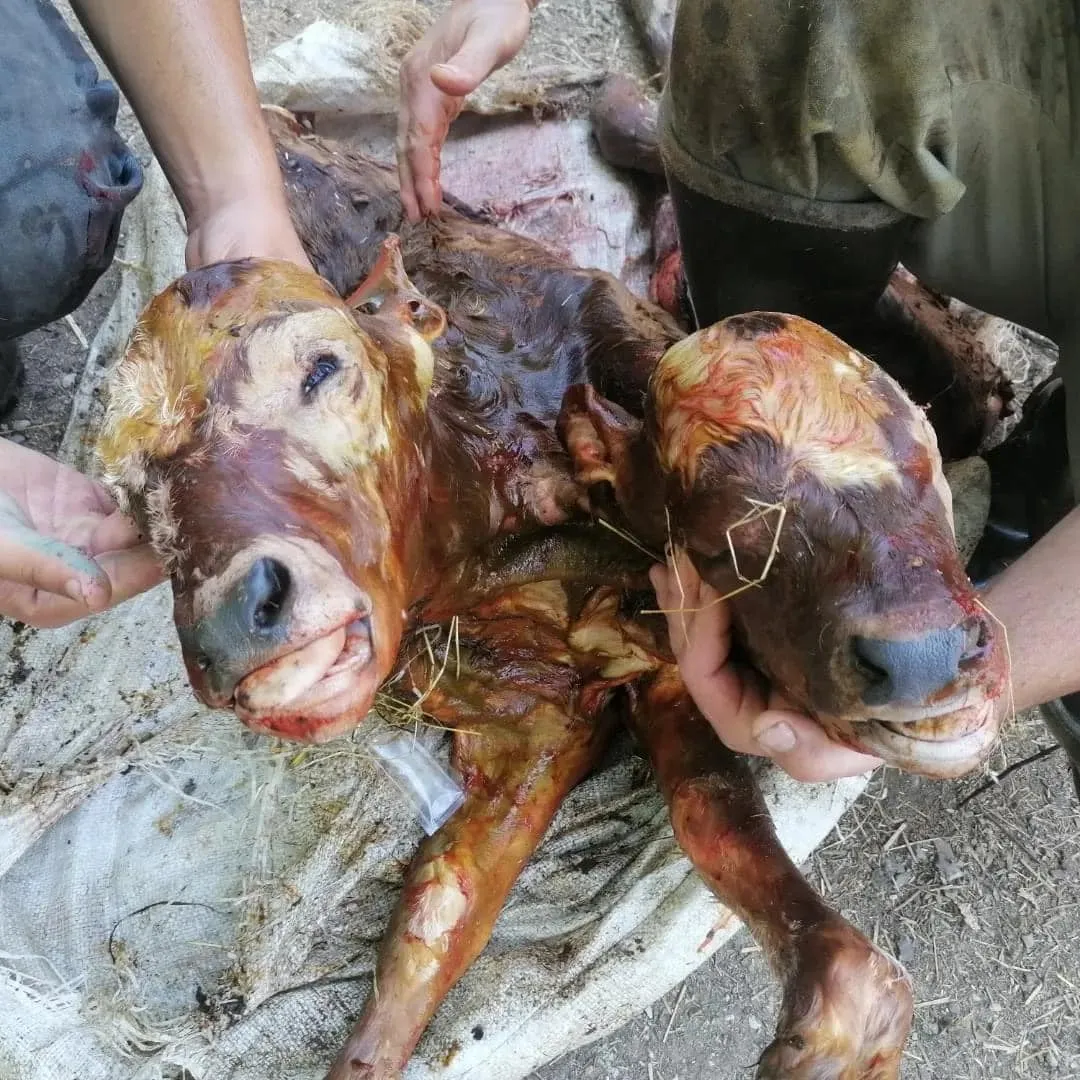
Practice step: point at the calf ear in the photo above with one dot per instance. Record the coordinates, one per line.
(201, 289)
(599, 436)
(387, 290)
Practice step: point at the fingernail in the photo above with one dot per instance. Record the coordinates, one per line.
(75, 591)
(777, 739)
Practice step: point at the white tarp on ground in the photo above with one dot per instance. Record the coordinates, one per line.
(176, 894)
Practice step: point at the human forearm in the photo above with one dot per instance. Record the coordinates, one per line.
(1038, 600)
(184, 66)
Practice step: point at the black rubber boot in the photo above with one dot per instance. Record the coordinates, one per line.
(11, 375)
(1063, 719)
(737, 260)
(1031, 488)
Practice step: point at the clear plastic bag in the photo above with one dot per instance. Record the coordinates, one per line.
(434, 792)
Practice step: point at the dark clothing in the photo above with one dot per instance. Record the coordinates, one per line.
(66, 176)
(959, 117)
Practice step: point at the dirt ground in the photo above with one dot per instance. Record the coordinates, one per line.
(979, 900)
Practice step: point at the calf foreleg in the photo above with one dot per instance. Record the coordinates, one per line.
(516, 776)
(847, 1006)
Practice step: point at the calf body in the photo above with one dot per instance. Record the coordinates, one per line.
(329, 477)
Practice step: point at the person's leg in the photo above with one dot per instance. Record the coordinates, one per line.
(811, 145)
(738, 259)
(1012, 247)
(65, 174)
(803, 143)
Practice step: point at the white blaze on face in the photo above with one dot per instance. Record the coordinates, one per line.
(424, 359)
(342, 420)
(853, 364)
(923, 432)
(799, 386)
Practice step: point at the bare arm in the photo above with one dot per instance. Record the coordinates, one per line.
(184, 66)
(65, 549)
(1038, 600)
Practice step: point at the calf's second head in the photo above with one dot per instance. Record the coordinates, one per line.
(804, 484)
(266, 434)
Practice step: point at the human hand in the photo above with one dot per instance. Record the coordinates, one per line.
(65, 550)
(471, 40)
(247, 226)
(749, 717)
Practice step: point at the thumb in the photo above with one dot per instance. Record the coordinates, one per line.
(483, 50)
(131, 571)
(30, 558)
(803, 749)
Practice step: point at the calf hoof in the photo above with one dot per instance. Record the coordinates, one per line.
(846, 1014)
(624, 122)
(373, 1052)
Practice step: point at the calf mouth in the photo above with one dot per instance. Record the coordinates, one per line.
(943, 743)
(317, 691)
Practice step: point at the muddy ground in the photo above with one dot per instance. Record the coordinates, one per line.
(981, 901)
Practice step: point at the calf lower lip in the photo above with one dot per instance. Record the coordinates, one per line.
(947, 746)
(333, 707)
(292, 675)
(306, 673)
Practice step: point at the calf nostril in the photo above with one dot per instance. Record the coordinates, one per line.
(268, 584)
(867, 663)
(110, 174)
(123, 168)
(976, 641)
(908, 671)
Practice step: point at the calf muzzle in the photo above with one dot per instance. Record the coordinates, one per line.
(914, 671)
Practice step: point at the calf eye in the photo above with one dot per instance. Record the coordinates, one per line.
(715, 564)
(325, 365)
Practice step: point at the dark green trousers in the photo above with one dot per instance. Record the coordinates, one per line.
(961, 116)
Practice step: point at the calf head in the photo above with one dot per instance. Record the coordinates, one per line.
(804, 484)
(269, 437)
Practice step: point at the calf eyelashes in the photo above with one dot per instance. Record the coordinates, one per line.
(324, 365)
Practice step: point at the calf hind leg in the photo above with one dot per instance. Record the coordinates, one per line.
(847, 1006)
(516, 776)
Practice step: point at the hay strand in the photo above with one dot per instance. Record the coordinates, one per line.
(632, 540)
(758, 511)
